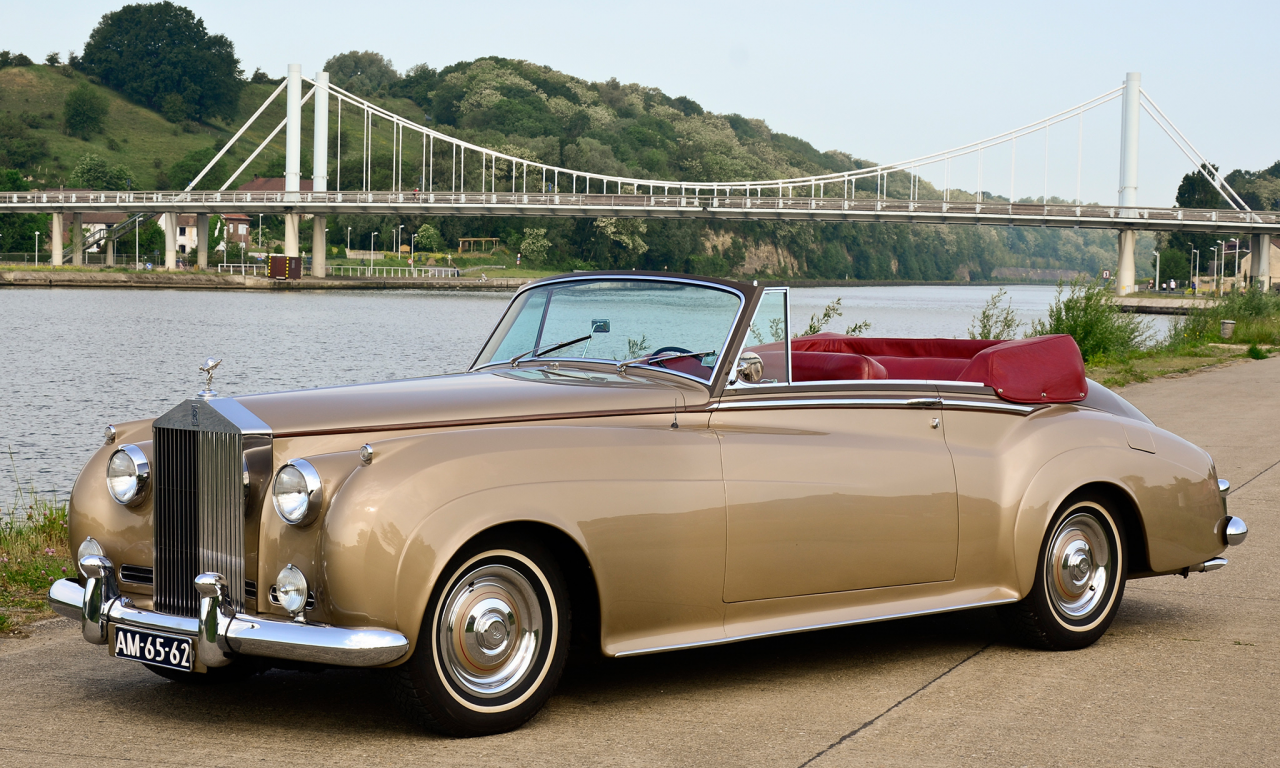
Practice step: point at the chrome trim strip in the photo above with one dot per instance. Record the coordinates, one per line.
(990, 405)
(66, 598)
(832, 402)
(812, 628)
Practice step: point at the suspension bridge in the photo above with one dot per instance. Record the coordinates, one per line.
(458, 178)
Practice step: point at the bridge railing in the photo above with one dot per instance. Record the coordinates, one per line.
(244, 269)
(370, 271)
(371, 201)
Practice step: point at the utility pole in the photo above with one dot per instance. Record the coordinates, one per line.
(1157, 283)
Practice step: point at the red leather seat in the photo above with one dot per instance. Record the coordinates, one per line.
(834, 366)
(936, 368)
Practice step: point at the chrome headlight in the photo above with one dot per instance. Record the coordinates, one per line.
(291, 589)
(297, 492)
(128, 473)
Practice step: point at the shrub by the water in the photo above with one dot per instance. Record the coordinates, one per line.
(1091, 316)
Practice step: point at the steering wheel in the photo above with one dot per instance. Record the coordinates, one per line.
(660, 363)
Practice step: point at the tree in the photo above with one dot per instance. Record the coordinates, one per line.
(151, 51)
(535, 244)
(183, 171)
(84, 112)
(17, 230)
(18, 147)
(94, 173)
(53, 59)
(362, 73)
(429, 239)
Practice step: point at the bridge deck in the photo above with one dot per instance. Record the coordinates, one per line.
(648, 206)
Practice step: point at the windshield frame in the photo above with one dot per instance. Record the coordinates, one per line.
(588, 277)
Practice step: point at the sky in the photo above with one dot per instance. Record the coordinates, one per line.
(881, 81)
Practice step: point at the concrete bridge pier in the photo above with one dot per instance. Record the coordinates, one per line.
(202, 241)
(55, 240)
(170, 240)
(318, 246)
(1260, 245)
(1125, 264)
(111, 252)
(320, 170)
(77, 239)
(291, 234)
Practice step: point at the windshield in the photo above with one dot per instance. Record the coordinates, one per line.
(618, 320)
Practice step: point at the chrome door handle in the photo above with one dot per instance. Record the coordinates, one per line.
(925, 402)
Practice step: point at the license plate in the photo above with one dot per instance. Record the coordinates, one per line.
(153, 648)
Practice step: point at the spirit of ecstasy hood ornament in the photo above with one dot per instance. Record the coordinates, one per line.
(207, 370)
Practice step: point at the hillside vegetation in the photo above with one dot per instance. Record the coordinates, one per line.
(537, 113)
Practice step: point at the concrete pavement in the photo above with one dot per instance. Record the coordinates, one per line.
(1188, 675)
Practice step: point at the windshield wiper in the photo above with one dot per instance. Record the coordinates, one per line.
(540, 351)
(649, 360)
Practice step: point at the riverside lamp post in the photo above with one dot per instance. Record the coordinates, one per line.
(1236, 242)
(348, 240)
(370, 271)
(1222, 262)
(400, 239)
(35, 257)
(1157, 282)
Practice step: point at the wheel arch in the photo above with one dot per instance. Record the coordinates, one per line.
(1083, 470)
(575, 566)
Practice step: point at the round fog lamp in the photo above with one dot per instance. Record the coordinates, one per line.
(297, 493)
(89, 546)
(291, 589)
(127, 474)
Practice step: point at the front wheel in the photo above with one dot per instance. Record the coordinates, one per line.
(493, 643)
(1080, 579)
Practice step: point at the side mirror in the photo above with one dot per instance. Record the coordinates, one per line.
(750, 368)
(599, 326)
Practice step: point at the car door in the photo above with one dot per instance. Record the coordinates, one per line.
(832, 486)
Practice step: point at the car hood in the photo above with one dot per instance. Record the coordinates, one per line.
(495, 395)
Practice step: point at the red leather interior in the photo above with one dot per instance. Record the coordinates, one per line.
(1044, 369)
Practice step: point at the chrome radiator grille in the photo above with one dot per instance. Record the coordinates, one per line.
(199, 506)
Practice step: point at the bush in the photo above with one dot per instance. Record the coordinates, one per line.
(995, 321)
(84, 113)
(1091, 316)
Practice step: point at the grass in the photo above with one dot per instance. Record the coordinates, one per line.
(34, 551)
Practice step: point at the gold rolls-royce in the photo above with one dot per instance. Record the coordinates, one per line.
(645, 462)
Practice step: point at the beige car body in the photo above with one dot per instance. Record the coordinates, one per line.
(767, 510)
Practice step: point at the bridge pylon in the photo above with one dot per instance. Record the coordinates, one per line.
(1129, 119)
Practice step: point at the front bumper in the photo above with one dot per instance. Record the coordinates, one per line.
(219, 632)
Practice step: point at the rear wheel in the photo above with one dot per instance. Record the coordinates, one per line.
(1080, 579)
(493, 642)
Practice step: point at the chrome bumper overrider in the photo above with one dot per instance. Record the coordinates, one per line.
(219, 632)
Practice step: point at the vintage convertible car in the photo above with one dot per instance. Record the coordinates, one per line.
(651, 457)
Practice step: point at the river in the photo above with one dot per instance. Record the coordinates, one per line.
(75, 360)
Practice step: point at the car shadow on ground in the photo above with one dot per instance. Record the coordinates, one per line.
(361, 701)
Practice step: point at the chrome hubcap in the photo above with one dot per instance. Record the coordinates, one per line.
(1079, 566)
(490, 630)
